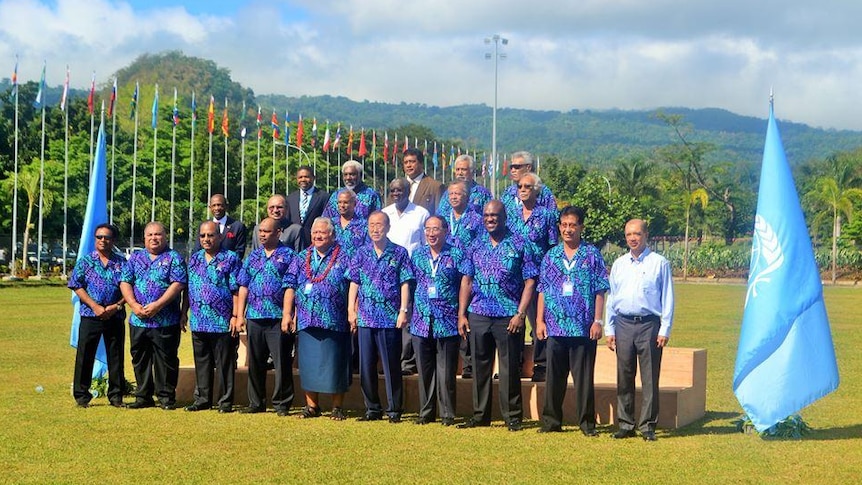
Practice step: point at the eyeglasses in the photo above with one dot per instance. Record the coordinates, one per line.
(102, 237)
(518, 166)
(526, 186)
(433, 230)
(203, 235)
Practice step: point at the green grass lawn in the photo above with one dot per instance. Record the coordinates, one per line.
(44, 438)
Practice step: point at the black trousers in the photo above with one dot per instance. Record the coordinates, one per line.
(539, 357)
(214, 351)
(489, 336)
(90, 331)
(408, 353)
(636, 345)
(437, 359)
(466, 356)
(385, 344)
(154, 358)
(265, 339)
(578, 356)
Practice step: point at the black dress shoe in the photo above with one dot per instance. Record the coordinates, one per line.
(421, 420)
(197, 407)
(225, 409)
(140, 405)
(649, 436)
(590, 433)
(515, 425)
(466, 374)
(550, 429)
(118, 404)
(624, 433)
(395, 418)
(538, 374)
(251, 410)
(83, 405)
(473, 423)
(370, 417)
(169, 406)
(282, 412)
(447, 421)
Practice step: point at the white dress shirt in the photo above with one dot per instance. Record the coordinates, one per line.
(407, 229)
(641, 287)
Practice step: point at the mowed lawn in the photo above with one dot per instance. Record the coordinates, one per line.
(44, 438)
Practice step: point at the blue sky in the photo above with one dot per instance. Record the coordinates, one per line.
(562, 55)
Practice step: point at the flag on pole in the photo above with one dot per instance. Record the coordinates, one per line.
(406, 144)
(286, 129)
(259, 124)
(176, 112)
(41, 93)
(225, 122)
(299, 132)
(65, 90)
(434, 159)
(91, 99)
(134, 102)
(113, 99)
(385, 147)
(314, 133)
(156, 108)
(274, 123)
(211, 116)
(95, 214)
(350, 142)
(326, 138)
(337, 142)
(15, 79)
(363, 149)
(194, 111)
(785, 359)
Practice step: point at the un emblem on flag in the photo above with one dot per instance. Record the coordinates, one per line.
(766, 256)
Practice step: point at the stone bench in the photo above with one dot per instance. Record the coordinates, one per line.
(682, 388)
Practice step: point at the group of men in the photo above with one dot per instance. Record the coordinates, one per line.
(499, 264)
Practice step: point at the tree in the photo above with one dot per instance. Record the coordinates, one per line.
(28, 182)
(606, 213)
(830, 198)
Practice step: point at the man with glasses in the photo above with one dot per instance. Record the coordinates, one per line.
(367, 200)
(523, 163)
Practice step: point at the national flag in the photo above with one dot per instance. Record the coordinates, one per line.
(113, 99)
(225, 121)
(96, 213)
(41, 93)
(434, 157)
(211, 116)
(274, 123)
(91, 99)
(194, 111)
(314, 133)
(350, 142)
(176, 112)
(65, 90)
(242, 130)
(299, 132)
(259, 124)
(785, 359)
(394, 149)
(385, 147)
(337, 141)
(134, 103)
(363, 150)
(156, 108)
(286, 128)
(406, 144)
(15, 79)
(326, 138)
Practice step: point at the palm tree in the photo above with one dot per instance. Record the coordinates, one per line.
(832, 199)
(28, 181)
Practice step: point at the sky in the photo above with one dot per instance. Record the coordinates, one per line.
(561, 54)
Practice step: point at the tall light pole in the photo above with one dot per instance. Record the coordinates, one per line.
(497, 40)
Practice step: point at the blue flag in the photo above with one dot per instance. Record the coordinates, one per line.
(96, 213)
(156, 108)
(785, 359)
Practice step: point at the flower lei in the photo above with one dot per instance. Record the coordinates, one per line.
(329, 265)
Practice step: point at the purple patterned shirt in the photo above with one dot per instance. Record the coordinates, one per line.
(322, 304)
(570, 288)
(510, 200)
(353, 236)
(463, 231)
(540, 228)
(211, 288)
(499, 273)
(479, 196)
(441, 302)
(150, 280)
(101, 282)
(367, 201)
(379, 280)
(264, 278)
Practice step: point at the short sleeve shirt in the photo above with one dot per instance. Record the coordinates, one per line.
(435, 302)
(367, 201)
(351, 237)
(212, 285)
(512, 203)
(569, 288)
(464, 230)
(101, 282)
(540, 228)
(479, 196)
(379, 280)
(264, 277)
(150, 279)
(320, 289)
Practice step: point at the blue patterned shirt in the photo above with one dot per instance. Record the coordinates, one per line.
(150, 280)
(264, 278)
(571, 310)
(353, 236)
(479, 196)
(441, 303)
(101, 282)
(540, 228)
(463, 231)
(499, 273)
(512, 203)
(322, 304)
(367, 201)
(379, 281)
(211, 288)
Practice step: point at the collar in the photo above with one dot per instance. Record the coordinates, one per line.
(417, 179)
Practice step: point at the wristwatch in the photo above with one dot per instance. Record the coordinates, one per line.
(403, 310)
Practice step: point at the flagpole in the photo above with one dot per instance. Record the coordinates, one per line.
(374, 158)
(173, 166)
(155, 141)
(242, 179)
(192, 177)
(134, 166)
(41, 190)
(225, 149)
(273, 155)
(257, 176)
(92, 110)
(15, 182)
(286, 152)
(65, 173)
(113, 145)
(210, 128)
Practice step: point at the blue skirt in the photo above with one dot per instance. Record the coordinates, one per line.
(324, 360)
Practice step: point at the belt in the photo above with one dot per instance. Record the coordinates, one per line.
(639, 318)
